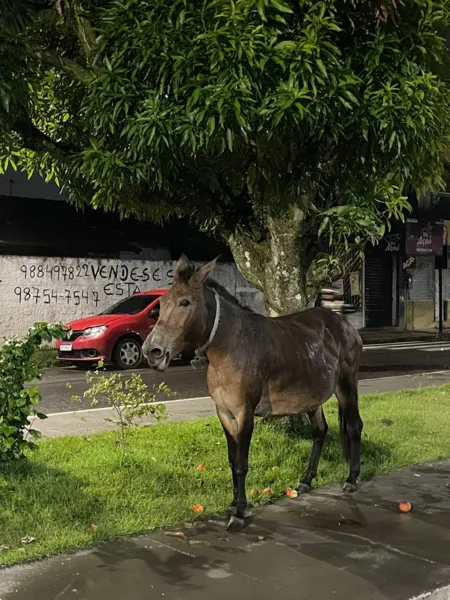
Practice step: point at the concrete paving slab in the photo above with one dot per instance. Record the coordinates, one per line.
(320, 547)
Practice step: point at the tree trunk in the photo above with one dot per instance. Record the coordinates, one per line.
(279, 266)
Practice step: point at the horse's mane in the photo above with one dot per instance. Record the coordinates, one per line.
(185, 274)
(212, 284)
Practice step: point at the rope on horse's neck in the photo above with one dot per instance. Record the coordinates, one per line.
(212, 335)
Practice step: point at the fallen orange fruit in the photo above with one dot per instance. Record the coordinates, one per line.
(198, 508)
(254, 492)
(268, 491)
(290, 493)
(405, 507)
(201, 468)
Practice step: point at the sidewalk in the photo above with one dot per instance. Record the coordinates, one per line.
(88, 422)
(388, 335)
(326, 546)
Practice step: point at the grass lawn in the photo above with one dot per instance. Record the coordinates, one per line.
(73, 483)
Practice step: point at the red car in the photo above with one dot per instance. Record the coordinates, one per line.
(116, 335)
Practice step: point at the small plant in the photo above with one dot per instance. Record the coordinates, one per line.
(17, 367)
(128, 396)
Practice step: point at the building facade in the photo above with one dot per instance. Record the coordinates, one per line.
(407, 276)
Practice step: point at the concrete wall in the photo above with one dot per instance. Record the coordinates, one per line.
(420, 315)
(61, 289)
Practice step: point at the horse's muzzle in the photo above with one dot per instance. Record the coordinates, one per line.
(158, 358)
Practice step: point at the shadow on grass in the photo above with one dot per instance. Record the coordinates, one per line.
(42, 501)
(373, 454)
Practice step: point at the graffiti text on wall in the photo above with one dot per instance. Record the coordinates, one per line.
(84, 271)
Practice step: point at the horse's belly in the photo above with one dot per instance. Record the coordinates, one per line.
(286, 404)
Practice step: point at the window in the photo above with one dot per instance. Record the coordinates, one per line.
(130, 306)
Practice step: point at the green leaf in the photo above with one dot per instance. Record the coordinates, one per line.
(35, 434)
(230, 140)
(321, 66)
(323, 225)
(286, 45)
(41, 415)
(260, 8)
(281, 6)
(351, 96)
(211, 125)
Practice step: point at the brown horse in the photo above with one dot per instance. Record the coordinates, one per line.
(262, 366)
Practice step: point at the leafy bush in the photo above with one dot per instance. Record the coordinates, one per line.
(17, 367)
(128, 396)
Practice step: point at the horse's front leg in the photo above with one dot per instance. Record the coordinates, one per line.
(231, 443)
(239, 427)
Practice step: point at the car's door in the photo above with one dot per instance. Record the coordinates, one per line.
(149, 318)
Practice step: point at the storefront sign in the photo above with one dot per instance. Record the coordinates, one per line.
(392, 244)
(424, 237)
(409, 263)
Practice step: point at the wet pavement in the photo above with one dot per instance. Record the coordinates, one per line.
(325, 546)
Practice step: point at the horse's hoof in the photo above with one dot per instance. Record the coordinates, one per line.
(350, 488)
(303, 488)
(235, 523)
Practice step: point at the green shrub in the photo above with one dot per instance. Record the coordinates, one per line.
(129, 397)
(17, 367)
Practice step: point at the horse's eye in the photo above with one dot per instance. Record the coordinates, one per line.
(184, 303)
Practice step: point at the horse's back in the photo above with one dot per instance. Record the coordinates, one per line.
(307, 356)
(331, 327)
(321, 327)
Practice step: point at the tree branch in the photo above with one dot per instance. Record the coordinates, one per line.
(60, 63)
(36, 140)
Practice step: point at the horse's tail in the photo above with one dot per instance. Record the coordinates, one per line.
(345, 439)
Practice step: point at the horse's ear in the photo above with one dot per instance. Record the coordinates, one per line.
(183, 269)
(204, 272)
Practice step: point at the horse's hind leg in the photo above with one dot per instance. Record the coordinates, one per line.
(351, 426)
(319, 432)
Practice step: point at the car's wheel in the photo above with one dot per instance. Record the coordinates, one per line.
(127, 353)
(84, 365)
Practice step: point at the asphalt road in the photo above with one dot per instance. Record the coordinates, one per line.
(185, 382)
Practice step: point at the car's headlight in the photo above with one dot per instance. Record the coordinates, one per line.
(91, 332)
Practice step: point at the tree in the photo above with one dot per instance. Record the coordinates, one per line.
(283, 126)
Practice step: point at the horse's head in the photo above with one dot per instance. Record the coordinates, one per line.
(183, 317)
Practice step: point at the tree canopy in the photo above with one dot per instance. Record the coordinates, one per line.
(272, 123)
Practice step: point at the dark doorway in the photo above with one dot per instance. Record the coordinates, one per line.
(378, 288)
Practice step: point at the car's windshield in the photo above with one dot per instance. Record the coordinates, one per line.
(130, 306)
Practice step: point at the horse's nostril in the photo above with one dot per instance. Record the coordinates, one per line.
(157, 352)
